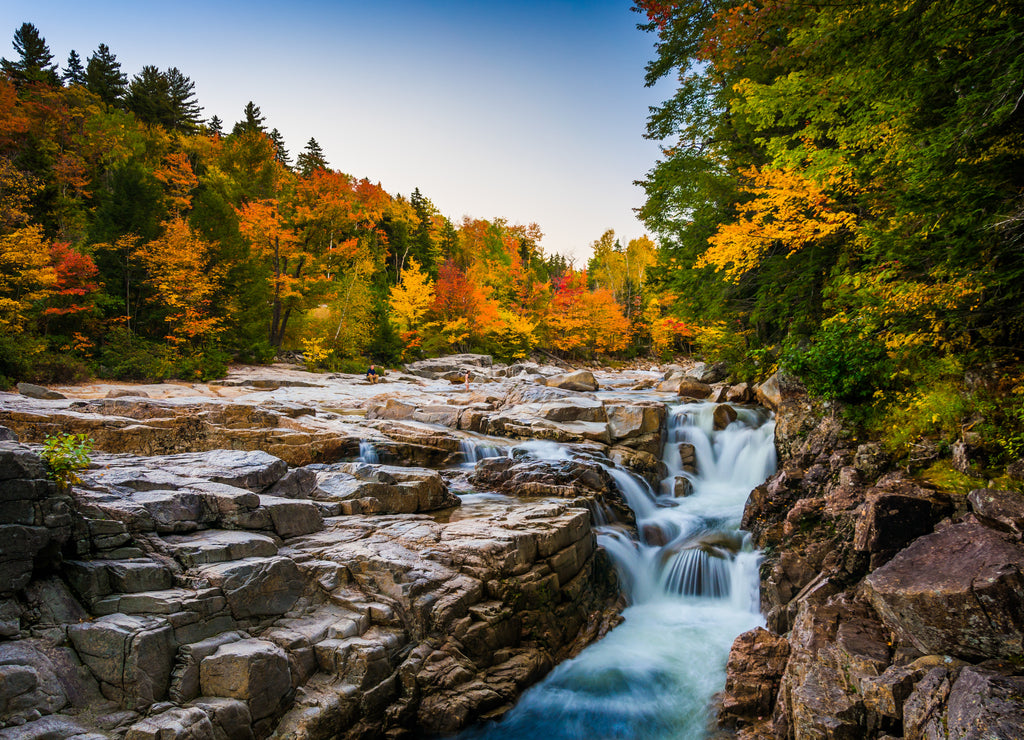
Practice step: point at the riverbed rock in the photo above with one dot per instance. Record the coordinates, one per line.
(757, 661)
(959, 591)
(439, 366)
(724, 415)
(254, 671)
(581, 380)
(356, 488)
(37, 391)
(129, 655)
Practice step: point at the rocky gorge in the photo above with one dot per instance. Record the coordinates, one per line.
(269, 556)
(292, 554)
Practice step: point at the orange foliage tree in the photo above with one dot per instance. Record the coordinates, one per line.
(185, 279)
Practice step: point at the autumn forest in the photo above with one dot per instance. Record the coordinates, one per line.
(840, 195)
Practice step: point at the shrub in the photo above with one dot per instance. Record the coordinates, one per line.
(842, 362)
(64, 455)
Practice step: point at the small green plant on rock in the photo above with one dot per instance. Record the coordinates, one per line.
(65, 454)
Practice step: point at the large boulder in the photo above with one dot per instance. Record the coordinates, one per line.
(256, 587)
(581, 380)
(958, 591)
(131, 656)
(999, 509)
(355, 488)
(254, 671)
(37, 391)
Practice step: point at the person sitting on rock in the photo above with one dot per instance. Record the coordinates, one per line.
(372, 375)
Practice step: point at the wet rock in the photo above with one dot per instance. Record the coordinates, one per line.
(635, 420)
(739, 393)
(957, 592)
(682, 487)
(685, 386)
(757, 661)
(724, 415)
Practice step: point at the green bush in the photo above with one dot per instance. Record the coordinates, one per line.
(125, 356)
(841, 362)
(64, 455)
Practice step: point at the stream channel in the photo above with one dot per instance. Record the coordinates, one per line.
(691, 583)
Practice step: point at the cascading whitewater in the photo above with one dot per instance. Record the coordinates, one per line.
(692, 583)
(368, 453)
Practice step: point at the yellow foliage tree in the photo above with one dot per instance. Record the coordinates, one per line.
(184, 280)
(787, 211)
(26, 276)
(410, 299)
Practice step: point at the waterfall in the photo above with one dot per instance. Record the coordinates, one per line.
(368, 453)
(473, 452)
(691, 579)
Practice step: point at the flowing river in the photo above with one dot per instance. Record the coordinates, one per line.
(692, 586)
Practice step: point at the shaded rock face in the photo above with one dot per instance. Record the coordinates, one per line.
(202, 606)
(959, 591)
(35, 517)
(901, 611)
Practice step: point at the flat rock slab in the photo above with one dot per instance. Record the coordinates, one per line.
(959, 591)
(218, 546)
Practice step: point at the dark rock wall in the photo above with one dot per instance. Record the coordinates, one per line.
(901, 609)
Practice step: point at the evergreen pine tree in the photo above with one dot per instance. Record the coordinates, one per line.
(282, 155)
(74, 72)
(185, 107)
(311, 159)
(215, 126)
(103, 76)
(148, 97)
(35, 60)
(254, 120)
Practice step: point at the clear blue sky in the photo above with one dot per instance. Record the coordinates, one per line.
(532, 111)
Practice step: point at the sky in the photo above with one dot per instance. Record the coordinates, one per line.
(532, 111)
